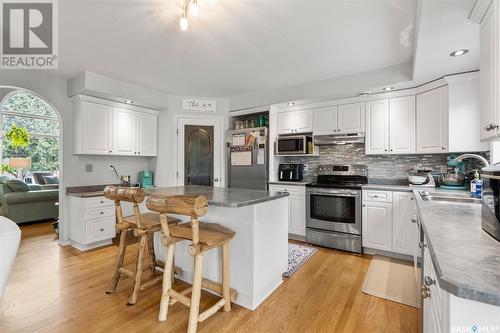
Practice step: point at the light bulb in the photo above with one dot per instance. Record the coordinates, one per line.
(194, 9)
(184, 23)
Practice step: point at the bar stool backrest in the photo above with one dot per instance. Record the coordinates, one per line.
(127, 194)
(187, 205)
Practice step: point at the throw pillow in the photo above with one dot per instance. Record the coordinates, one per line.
(17, 186)
(51, 180)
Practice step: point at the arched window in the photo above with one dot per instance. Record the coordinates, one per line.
(25, 109)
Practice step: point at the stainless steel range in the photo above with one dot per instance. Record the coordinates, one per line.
(333, 207)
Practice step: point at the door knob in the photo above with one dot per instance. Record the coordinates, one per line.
(216, 180)
(428, 281)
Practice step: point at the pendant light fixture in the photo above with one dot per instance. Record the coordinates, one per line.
(190, 8)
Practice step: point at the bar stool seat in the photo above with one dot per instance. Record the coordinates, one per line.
(210, 234)
(150, 221)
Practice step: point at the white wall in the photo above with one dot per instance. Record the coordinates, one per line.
(166, 164)
(339, 87)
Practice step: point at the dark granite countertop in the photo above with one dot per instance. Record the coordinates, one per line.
(465, 257)
(217, 196)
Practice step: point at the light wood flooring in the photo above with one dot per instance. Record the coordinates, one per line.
(58, 289)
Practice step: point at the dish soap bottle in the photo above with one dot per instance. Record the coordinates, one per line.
(476, 185)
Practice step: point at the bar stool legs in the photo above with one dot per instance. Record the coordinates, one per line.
(138, 270)
(167, 283)
(225, 277)
(119, 261)
(196, 293)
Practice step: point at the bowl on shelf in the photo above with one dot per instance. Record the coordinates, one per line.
(418, 178)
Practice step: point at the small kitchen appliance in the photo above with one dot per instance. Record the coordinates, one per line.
(146, 179)
(490, 211)
(333, 207)
(293, 145)
(291, 172)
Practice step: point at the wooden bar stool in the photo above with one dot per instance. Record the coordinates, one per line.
(204, 236)
(143, 226)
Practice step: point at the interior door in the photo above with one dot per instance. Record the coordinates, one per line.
(199, 152)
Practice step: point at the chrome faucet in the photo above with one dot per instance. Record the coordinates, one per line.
(477, 157)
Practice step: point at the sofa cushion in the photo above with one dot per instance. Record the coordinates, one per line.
(31, 196)
(17, 185)
(50, 180)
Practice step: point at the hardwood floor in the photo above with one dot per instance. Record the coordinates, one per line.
(58, 289)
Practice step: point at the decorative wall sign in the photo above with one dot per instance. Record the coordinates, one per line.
(199, 105)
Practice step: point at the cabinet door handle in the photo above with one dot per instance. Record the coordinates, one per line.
(443, 148)
(491, 127)
(110, 151)
(426, 292)
(413, 220)
(385, 149)
(364, 205)
(422, 245)
(102, 229)
(102, 213)
(428, 281)
(102, 201)
(392, 149)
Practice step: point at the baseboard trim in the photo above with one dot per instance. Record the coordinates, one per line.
(297, 237)
(367, 250)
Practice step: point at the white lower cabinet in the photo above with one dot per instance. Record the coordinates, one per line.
(297, 208)
(445, 312)
(91, 222)
(387, 223)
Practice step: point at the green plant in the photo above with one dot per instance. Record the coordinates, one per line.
(18, 136)
(5, 168)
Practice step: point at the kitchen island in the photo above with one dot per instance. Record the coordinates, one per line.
(259, 250)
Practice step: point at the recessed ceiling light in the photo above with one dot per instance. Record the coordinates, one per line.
(128, 101)
(388, 88)
(364, 93)
(290, 103)
(458, 53)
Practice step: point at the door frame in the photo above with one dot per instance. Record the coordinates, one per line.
(219, 152)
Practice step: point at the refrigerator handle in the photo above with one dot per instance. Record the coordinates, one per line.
(281, 175)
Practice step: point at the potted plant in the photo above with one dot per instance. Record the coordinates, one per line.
(18, 137)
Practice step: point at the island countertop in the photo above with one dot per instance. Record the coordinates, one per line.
(220, 196)
(465, 257)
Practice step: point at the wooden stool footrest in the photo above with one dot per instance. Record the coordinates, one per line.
(210, 311)
(217, 288)
(151, 282)
(179, 297)
(126, 272)
(184, 293)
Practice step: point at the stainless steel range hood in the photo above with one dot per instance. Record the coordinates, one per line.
(339, 139)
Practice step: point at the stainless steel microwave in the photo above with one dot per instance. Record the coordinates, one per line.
(293, 145)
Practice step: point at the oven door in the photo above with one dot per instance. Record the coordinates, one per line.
(291, 145)
(334, 210)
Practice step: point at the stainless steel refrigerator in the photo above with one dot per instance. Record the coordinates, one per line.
(248, 160)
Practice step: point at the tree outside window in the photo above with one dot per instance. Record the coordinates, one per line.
(26, 110)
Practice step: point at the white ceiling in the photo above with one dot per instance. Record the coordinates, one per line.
(235, 46)
(443, 27)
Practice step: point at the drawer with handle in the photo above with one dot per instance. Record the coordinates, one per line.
(100, 229)
(98, 202)
(94, 213)
(379, 196)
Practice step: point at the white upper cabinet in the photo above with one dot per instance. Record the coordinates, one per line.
(147, 133)
(390, 126)
(124, 123)
(102, 127)
(402, 125)
(432, 121)
(95, 128)
(351, 118)
(325, 120)
(377, 127)
(489, 73)
(290, 122)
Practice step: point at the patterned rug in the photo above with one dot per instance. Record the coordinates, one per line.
(297, 256)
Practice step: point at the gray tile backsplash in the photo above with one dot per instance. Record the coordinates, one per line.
(379, 166)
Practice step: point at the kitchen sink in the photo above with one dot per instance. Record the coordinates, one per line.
(449, 197)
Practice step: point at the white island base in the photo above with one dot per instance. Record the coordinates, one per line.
(258, 252)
